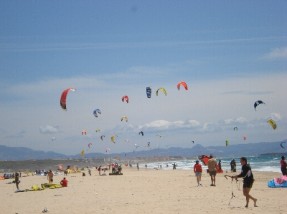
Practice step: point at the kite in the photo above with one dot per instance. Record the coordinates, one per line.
(63, 99)
(102, 137)
(98, 130)
(108, 149)
(148, 92)
(182, 83)
(272, 123)
(235, 128)
(258, 102)
(244, 138)
(125, 98)
(226, 142)
(124, 118)
(84, 132)
(162, 90)
(281, 144)
(83, 153)
(96, 112)
(141, 133)
(89, 145)
(113, 138)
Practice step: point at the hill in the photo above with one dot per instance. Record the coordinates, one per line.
(249, 149)
(23, 153)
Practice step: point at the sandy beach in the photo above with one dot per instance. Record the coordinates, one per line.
(143, 191)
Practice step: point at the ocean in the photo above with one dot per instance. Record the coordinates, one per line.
(264, 163)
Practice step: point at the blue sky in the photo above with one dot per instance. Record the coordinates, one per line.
(230, 54)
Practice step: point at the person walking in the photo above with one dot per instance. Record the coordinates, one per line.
(248, 180)
(212, 169)
(17, 180)
(50, 176)
(197, 168)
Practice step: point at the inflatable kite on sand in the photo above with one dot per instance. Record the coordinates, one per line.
(278, 182)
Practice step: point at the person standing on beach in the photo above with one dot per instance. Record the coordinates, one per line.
(233, 165)
(17, 180)
(283, 166)
(197, 168)
(50, 176)
(248, 180)
(212, 169)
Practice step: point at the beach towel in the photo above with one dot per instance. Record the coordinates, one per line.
(278, 182)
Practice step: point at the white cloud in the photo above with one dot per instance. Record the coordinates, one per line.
(276, 116)
(48, 129)
(277, 53)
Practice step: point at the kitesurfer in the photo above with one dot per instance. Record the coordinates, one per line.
(248, 180)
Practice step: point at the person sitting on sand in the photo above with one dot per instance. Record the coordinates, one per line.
(197, 168)
(248, 180)
(50, 176)
(64, 182)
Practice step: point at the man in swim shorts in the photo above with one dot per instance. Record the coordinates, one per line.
(212, 169)
(248, 180)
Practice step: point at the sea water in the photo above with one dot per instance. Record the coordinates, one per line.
(266, 163)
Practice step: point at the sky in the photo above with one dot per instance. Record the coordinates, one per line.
(230, 54)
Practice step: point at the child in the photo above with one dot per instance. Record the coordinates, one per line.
(197, 170)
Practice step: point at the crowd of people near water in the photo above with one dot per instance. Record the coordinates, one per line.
(213, 167)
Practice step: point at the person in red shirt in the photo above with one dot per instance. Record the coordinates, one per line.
(64, 182)
(197, 168)
(283, 166)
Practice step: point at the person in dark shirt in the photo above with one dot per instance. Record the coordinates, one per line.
(248, 180)
(17, 180)
(233, 165)
(283, 166)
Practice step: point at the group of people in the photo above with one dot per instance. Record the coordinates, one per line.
(246, 174)
(212, 170)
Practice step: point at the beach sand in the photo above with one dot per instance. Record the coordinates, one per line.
(143, 191)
